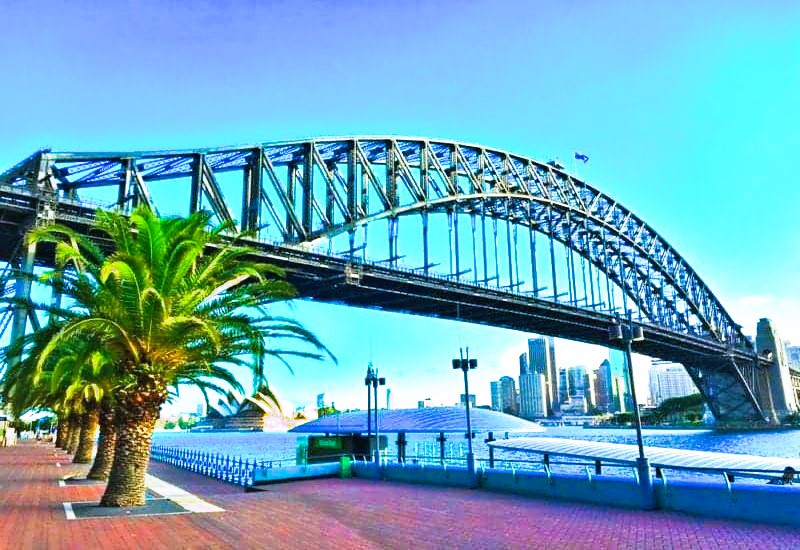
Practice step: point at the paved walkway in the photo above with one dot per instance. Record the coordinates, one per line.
(333, 513)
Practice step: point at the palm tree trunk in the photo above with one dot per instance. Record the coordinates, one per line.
(74, 434)
(83, 454)
(105, 445)
(126, 481)
(62, 431)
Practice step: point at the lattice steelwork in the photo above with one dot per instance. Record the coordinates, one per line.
(469, 215)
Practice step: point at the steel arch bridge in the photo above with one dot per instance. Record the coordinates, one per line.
(487, 236)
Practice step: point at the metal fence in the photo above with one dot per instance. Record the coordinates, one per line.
(223, 467)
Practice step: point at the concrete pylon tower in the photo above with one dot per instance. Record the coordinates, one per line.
(779, 377)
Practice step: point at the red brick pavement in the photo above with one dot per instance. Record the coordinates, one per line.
(333, 513)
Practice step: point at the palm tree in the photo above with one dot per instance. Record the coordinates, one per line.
(172, 303)
(77, 384)
(85, 374)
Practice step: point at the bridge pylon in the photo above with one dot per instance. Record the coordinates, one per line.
(777, 377)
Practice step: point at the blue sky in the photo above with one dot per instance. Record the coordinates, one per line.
(688, 111)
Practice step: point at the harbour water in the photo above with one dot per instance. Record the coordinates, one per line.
(282, 446)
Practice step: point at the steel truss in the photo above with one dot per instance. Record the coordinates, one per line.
(598, 255)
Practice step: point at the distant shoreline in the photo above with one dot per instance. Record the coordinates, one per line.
(700, 428)
(662, 427)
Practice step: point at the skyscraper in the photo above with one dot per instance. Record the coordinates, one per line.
(504, 395)
(577, 381)
(622, 388)
(497, 396)
(604, 389)
(793, 355)
(524, 366)
(532, 395)
(563, 386)
(553, 377)
(538, 355)
(668, 380)
(541, 357)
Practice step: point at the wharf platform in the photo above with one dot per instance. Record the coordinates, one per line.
(336, 513)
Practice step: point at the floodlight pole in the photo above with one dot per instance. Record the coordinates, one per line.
(373, 380)
(465, 364)
(367, 383)
(628, 333)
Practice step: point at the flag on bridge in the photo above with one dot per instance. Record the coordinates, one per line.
(582, 157)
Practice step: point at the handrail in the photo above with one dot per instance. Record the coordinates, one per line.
(231, 469)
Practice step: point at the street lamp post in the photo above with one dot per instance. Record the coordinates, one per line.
(373, 380)
(465, 364)
(628, 334)
(368, 383)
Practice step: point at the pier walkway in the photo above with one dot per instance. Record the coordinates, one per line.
(334, 513)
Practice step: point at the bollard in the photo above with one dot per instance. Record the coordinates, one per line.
(491, 449)
(401, 446)
(441, 439)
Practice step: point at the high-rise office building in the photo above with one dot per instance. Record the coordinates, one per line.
(604, 389)
(541, 358)
(793, 355)
(579, 390)
(504, 395)
(589, 389)
(532, 395)
(497, 395)
(622, 390)
(620, 401)
(553, 377)
(563, 386)
(668, 380)
(524, 365)
(577, 381)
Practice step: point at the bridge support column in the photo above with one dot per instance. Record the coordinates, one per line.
(22, 292)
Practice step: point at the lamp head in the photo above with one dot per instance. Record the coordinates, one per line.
(615, 332)
(473, 363)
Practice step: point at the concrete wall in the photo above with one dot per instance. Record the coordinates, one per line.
(451, 476)
(760, 503)
(600, 490)
(777, 504)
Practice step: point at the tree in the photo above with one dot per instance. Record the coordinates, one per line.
(173, 302)
(76, 382)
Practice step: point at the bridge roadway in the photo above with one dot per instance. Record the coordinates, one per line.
(337, 280)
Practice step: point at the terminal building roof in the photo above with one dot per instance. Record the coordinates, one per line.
(427, 420)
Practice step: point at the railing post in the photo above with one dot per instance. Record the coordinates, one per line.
(491, 449)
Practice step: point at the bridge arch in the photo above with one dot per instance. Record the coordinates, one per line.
(306, 193)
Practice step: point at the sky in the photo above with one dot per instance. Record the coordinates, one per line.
(687, 110)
